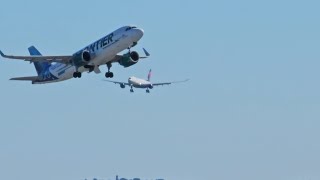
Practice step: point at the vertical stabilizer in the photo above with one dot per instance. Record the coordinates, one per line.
(40, 66)
(149, 75)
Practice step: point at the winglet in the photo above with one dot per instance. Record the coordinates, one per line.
(149, 75)
(146, 52)
(2, 54)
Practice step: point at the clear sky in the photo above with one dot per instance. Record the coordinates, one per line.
(250, 111)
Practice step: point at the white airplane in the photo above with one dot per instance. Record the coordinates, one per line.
(103, 51)
(141, 83)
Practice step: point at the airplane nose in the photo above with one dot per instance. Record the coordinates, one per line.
(139, 32)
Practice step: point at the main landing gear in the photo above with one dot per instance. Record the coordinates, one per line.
(147, 91)
(77, 74)
(131, 90)
(109, 74)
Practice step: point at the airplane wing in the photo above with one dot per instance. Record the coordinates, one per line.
(146, 53)
(168, 83)
(59, 59)
(116, 82)
(118, 57)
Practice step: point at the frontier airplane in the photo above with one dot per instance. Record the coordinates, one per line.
(103, 51)
(141, 83)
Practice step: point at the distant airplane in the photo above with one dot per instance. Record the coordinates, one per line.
(141, 83)
(103, 51)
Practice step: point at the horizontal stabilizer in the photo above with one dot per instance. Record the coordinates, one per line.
(30, 78)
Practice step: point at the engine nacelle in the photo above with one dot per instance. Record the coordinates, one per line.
(122, 85)
(129, 59)
(150, 86)
(81, 58)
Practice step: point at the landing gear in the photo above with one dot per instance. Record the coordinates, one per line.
(77, 74)
(131, 90)
(147, 91)
(109, 74)
(134, 44)
(91, 68)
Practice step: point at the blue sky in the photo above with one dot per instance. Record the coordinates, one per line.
(250, 110)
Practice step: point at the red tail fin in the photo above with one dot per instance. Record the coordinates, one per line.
(149, 75)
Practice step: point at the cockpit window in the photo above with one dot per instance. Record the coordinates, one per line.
(130, 27)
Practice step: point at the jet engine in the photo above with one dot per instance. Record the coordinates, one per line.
(122, 85)
(82, 58)
(129, 59)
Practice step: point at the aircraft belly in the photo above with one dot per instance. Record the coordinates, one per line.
(59, 74)
(108, 53)
(138, 85)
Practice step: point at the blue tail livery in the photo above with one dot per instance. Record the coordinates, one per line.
(41, 67)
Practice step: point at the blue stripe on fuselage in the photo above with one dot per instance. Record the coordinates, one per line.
(47, 76)
(64, 70)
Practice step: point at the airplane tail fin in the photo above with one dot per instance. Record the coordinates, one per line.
(40, 66)
(149, 75)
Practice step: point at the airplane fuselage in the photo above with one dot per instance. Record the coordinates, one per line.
(139, 83)
(102, 52)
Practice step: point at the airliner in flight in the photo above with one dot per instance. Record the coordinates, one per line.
(103, 51)
(141, 83)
